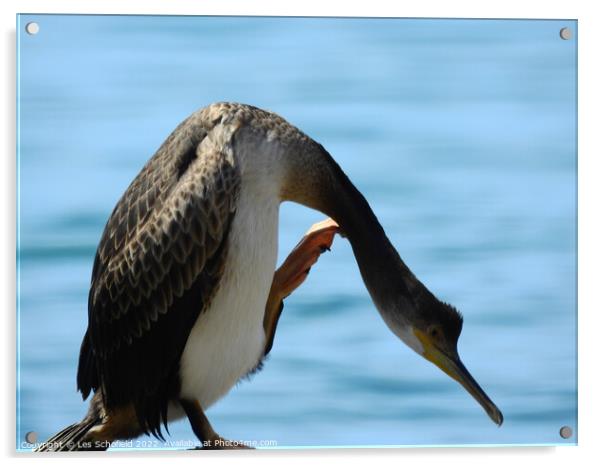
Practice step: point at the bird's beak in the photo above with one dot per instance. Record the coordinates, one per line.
(452, 366)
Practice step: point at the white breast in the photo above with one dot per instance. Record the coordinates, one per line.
(228, 339)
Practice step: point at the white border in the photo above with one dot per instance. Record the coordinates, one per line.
(590, 212)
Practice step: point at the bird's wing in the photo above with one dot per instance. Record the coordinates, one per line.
(157, 267)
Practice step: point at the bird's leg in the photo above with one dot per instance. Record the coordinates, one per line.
(294, 270)
(287, 279)
(210, 440)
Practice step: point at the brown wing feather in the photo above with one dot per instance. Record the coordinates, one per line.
(157, 267)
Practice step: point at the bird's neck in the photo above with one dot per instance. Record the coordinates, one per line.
(322, 185)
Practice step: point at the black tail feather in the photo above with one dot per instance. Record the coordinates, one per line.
(73, 438)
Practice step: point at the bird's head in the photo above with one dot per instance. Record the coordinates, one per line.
(432, 328)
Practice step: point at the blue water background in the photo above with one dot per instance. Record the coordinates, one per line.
(460, 133)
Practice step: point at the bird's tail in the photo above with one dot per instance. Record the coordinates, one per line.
(73, 438)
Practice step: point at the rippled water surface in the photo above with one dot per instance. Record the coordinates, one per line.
(460, 133)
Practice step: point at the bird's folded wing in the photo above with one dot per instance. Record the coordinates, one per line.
(158, 264)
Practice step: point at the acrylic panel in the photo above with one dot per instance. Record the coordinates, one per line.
(461, 135)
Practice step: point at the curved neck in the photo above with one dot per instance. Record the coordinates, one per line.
(323, 185)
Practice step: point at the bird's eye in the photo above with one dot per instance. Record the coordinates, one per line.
(434, 332)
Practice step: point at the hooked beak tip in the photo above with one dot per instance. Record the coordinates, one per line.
(469, 383)
(497, 416)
